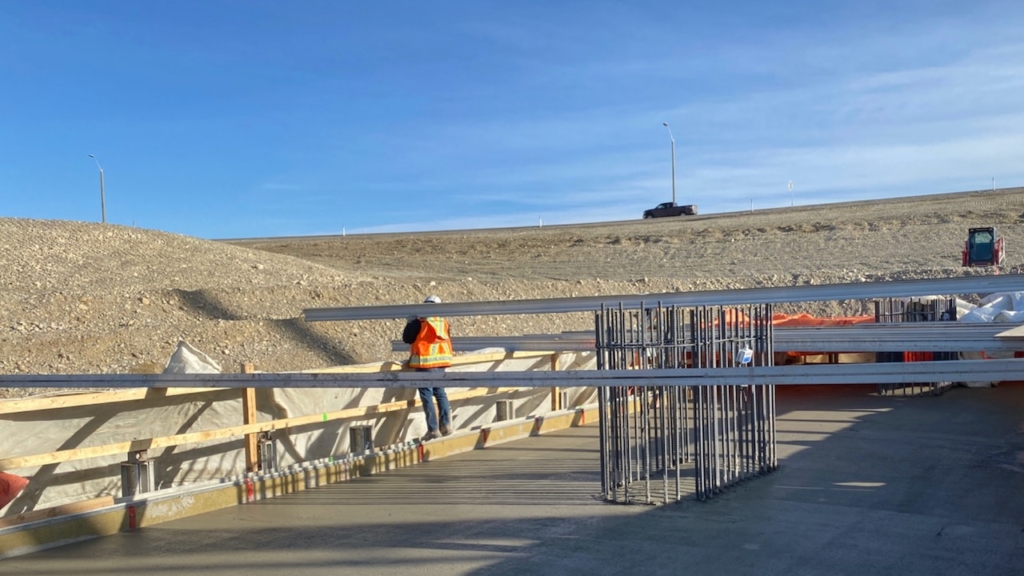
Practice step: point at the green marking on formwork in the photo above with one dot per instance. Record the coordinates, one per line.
(325, 416)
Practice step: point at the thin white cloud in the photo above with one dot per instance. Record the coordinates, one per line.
(868, 115)
(904, 131)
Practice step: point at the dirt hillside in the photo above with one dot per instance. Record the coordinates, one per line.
(92, 298)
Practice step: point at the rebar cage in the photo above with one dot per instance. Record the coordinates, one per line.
(891, 310)
(666, 443)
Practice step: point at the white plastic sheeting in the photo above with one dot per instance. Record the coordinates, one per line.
(188, 360)
(999, 307)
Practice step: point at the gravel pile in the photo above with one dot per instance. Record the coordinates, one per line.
(95, 298)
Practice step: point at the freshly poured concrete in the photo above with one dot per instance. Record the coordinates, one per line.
(867, 485)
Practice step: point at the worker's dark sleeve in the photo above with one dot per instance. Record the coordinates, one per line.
(412, 330)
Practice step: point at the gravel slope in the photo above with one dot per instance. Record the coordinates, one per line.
(93, 298)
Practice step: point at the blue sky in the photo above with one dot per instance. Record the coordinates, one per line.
(238, 119)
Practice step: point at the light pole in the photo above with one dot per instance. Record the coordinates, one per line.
(665, 124)
(103, 201)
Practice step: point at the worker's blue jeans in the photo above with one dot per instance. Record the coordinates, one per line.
(428, 395)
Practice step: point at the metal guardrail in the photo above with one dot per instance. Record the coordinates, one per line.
(954, 370)
(909, 337)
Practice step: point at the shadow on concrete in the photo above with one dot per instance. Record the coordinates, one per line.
(867, 485)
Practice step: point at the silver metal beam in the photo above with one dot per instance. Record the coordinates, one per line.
(513, 344)
(906, 337)
(890, 337)
(568, 342)
(816, 293)
(875, 373)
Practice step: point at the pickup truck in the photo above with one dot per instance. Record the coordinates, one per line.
(670, 209)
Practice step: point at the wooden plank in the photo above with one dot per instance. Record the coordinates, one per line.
(399, 366)
(1017, 332)
(252, 459)
(556, 397)
(32, 461)
(62, 510)
(358, 369)
(77, 399)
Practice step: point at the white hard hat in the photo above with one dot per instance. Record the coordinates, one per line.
(432, 300)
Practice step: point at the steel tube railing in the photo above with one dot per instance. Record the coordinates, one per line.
(801, 374)
(774, 295)
(908, 337)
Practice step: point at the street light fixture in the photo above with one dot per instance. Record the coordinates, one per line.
(665, 124)
(103, 201)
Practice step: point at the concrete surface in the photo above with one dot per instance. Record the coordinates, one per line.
(867, 485)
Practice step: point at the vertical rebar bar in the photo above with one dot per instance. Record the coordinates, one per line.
(727, 433)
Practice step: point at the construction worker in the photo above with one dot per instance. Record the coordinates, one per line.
(431, 351)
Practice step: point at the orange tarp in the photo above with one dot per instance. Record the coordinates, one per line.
(805, 319)
(802, 319)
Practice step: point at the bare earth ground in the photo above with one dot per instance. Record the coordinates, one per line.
(92, 298)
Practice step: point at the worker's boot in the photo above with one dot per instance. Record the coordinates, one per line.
(446, 430)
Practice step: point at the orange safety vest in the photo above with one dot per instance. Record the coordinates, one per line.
(432, 347)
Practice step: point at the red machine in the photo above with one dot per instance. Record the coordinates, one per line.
(983, 248)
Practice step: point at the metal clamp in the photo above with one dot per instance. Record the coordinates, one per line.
(267, 452)
(137, 474)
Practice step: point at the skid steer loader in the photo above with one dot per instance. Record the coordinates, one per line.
(983, 248)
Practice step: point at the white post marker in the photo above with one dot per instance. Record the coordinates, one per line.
(103, 201)
(790, 193)
(672, 138)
